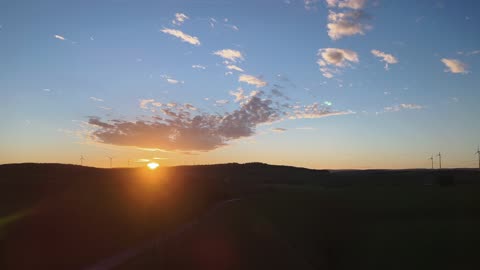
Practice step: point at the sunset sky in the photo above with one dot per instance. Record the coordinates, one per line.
(335, 84)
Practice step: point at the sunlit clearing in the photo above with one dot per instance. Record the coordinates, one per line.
(152, 165)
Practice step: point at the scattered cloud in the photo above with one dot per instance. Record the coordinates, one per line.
(234, 67)
(233, 27)
(59, 37)
(342, 24)
(454, 66)
(310, 4)
(177, 127)
(353, 4)
(331, 60)
(403, 106)
(212, 22)
(279, 130)
(145, 102)
(170, 80)
(387, 58)
(184, 37)
(198, 67)
(313, 111)
(249, 79)
(229, 54)
(180, 18)
(239, 96)
(222, 102)
(96, 99)
(469, 53)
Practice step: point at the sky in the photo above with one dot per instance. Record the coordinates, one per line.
(337, 84)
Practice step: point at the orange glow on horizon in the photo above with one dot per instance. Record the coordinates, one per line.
(152, 165)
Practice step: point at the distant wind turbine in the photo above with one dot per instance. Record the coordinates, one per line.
(439, 160)
(111, 158)
(81, 160)
(431, 158)
(478, 153)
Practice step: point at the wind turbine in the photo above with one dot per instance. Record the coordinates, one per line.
(81, 160)
(111, 158)
(439, 160)
(431, 158)
(478, 153)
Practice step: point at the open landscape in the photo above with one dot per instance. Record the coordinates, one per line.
(239, 135)
(275, 217)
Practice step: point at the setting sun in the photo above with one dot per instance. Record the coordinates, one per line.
(152, 165)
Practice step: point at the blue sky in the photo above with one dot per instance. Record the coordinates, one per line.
(323, 84)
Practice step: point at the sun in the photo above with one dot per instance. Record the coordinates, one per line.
(152, 165)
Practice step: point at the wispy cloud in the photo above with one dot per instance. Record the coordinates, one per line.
(171, 80)
(469, 53)
(403, 106)
(234, 67)
(59, 37)
(96, 99)
(387, 58)
(455, 66)
(279, 130)
(180, 18)
(145, 102)
(198, 67)
(331, 60)
(310, 4)
(353, 4)
(239, 96)
(184, 37)
(249, 79)
(229, 54)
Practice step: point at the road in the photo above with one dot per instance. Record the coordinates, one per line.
(120, 258)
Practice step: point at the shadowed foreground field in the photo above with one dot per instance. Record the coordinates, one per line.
(69, 217)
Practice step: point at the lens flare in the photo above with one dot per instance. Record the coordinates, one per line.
(152, 165)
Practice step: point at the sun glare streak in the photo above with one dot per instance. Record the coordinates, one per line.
(152, 165)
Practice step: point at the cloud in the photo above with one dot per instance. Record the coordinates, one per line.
(222, 102)
(59, 37)
(313, 111)
(96, 99)
(310, 4)
(145, 102)
(342, 24)
(233, 67)
(180, 18)
(353, 4)
(239, 96)
(331, 60)
(233, 27)
(229, 54)
(387, 58)
(184, 37)
(403, 106)
(454, 66)
(198, 67)
(279, 130)
(170, 80)
(249, 79)
(179, 128)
